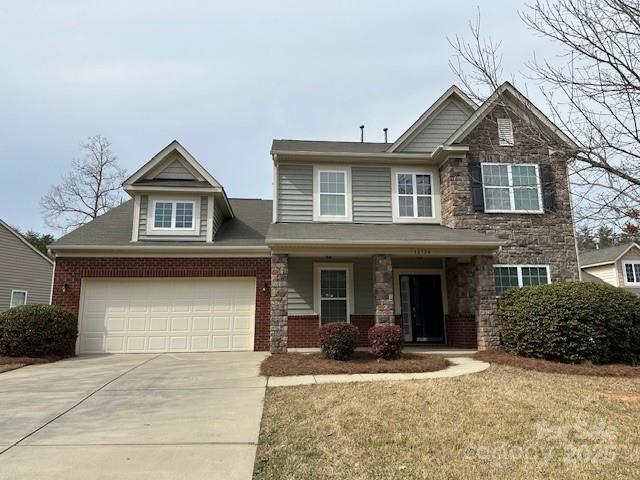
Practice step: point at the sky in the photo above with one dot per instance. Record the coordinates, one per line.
(223, 78)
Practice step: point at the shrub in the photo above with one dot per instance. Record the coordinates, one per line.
(37, 331)
(338, 340)
(572, 323)
(386, 341)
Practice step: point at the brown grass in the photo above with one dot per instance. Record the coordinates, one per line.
(470, 427)
(12, 363)
(505, 358)
(362, 362)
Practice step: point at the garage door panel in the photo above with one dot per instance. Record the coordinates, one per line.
(159, 315)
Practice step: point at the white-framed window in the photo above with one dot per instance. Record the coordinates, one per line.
(505, 132)
(174, 215)
(414, 195)
(511, 188)
(512, 276)
(18, 297)
(332, 194)
(333, 292)
(631, 273)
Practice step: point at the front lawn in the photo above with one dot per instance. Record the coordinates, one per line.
(362, 362)
(502, 423)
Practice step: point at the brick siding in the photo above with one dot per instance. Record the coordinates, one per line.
(303, 330)
(71, 271)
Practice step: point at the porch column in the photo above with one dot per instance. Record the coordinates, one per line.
(279, 302)
(486, 304)
(383, 289)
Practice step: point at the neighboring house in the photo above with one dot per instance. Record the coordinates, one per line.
(424, 231)
(618, 266)
(25, 273)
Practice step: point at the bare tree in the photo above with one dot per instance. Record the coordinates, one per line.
(592, 92)
(91, 188)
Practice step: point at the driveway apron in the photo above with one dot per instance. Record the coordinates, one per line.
(170, 416)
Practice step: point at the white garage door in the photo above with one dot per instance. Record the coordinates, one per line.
(166, 315)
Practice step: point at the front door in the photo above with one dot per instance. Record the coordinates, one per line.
(422, 313)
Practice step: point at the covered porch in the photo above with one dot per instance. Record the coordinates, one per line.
(436, 282)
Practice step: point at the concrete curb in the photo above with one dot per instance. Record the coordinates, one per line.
(461, 366)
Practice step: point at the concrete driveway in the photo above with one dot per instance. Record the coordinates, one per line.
(171, 416)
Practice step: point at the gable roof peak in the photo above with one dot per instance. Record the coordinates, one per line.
(513, 95)
(452, 92)
(164, 154)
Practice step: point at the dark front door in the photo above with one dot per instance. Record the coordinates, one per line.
(422, 308)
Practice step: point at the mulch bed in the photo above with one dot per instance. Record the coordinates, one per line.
(546, 366)
(11, 363)
(362, 362)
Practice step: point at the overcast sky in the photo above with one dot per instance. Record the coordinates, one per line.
(224, 78)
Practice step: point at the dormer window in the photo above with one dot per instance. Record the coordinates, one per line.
(505, 132)
(173, 215)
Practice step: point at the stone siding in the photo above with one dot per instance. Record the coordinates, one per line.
(546, 238)
(279, 302)
(383, 289)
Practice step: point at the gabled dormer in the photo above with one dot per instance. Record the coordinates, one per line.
(176, 198)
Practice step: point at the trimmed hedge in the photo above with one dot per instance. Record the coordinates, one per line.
(338, 340)
(572, 323)
(38, 331)
(387, 341)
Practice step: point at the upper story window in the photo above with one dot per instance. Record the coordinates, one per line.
(173, 215)
(505, 132)
(511, 188)
(332, 199)
(632, 273)
(414, 196)
(513, 276)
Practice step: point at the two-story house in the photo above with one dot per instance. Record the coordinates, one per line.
(424, 232)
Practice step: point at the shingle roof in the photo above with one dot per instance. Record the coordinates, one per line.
(248, 228)
(603, 255)
(329, 147)
(375, 234)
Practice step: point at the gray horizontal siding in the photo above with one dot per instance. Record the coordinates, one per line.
(144, 215)
(301, 298)
(295, 193)
(22, 269)
(439, 129)
(371, 192)
(175, 170)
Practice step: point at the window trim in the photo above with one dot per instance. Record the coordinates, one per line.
(151, 213)
(511, 188)
(624, 273)
(348, 211)
(519, 268)
(435, 195)
(26, 295)
(317, 270)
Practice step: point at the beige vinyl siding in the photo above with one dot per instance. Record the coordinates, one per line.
(301, 284)
(218, 218)
(22, 269)
(606, 273)
(632, 255)
(405, 263)
(371, 192)
(144, 215)
(175, 170)
(295, 193)
(447, 121)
